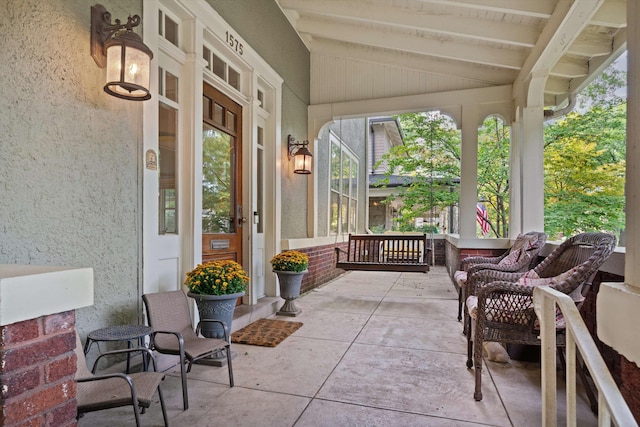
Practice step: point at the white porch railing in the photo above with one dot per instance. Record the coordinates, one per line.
(611, 405)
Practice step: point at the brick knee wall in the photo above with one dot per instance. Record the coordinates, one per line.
(625, 373)
(37, 369)
(322, 268)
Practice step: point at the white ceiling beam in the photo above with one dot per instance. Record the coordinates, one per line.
(611, 14)
(589, 49)
(489, 75)
(500, 32)
(564, 26)
(407, 43)
(570, 69)
(535, 8)
(556, 85)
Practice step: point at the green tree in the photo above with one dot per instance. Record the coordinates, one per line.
(494, 139)
(218, 158)
(429, 161)
(584, 162)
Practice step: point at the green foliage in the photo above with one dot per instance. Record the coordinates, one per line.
(430, 158)
(584, 163)
(494, 139)
(218, 160)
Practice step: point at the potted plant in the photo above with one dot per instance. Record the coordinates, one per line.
(290, 266)
(216, 286)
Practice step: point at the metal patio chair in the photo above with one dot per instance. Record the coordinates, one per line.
(173, 333)
(113, 390)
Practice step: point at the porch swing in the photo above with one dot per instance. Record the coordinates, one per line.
(396, 252)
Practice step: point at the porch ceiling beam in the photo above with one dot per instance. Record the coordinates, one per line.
(590, 49)
(490, 75)
(599, 64)
(537, 8)
(564, 27)
(570, 69)
(556, 86)
(507, 58)
(612, 14)
(421, 20)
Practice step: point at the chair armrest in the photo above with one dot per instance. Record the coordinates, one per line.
(483, 277)
(224, 327)
(178, 335)
(519, 267)
(148, 352)
(468, 262)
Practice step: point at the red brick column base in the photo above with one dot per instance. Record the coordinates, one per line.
(37, 369)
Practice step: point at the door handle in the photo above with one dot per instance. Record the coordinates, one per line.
(242, 220)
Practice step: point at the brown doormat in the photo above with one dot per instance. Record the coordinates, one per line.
(265, 332)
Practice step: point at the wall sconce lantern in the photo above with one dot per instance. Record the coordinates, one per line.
(124, 54)
(301, 156)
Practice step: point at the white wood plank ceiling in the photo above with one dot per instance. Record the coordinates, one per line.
(467, 43)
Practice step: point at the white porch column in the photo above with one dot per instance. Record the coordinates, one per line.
(515, 175)
(532, 167)
(618, 304)
(469, 171)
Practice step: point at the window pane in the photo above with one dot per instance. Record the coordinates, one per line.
(206, 107)
(206, 54)
(353, 210)
(168, 164)
(260, 190)
(218, 170)
(218, 114)
(344, 208)
(219, 67)
(354, 180)
(160, 81)
(333, 215)
(346, 173)
(335, 168)
(172, 87)
(234, 78)
(171, 30)
(231, 121)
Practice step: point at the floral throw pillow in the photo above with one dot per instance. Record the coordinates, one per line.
(510, 259)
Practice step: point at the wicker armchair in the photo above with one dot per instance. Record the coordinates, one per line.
(505, 307)
(527, 247)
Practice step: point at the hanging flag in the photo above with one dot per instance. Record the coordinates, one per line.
(482, 218)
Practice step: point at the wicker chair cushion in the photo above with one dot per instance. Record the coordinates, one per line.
(460, 277)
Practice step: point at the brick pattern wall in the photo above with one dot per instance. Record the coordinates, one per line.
(322, 261)
(37, 369)
(625, 373)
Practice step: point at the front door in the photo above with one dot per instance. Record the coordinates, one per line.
(222, 215)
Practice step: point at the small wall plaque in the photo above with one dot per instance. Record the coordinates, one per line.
(151, 160)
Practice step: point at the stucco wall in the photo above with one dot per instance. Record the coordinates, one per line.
(266, 29)
(68, 170)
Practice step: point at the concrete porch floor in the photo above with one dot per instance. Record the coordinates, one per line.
(376, 349)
